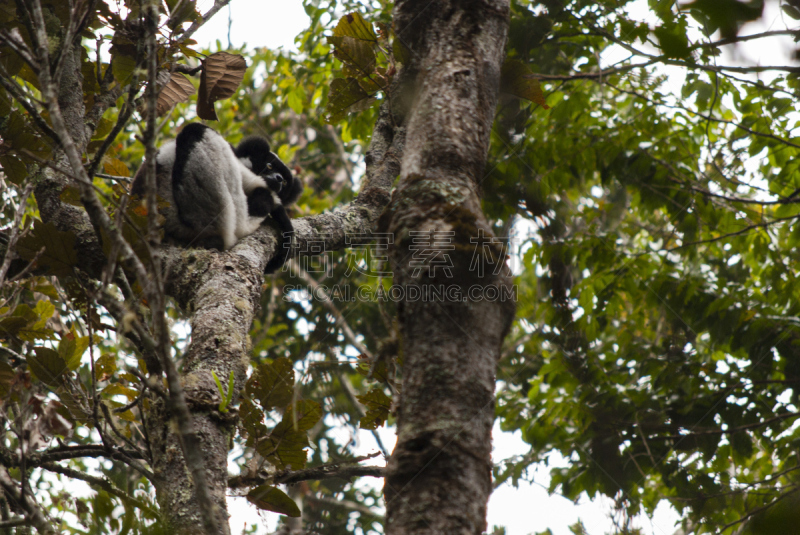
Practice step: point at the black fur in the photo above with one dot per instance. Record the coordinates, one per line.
(280, 181)
(186, 143)
(206, 174)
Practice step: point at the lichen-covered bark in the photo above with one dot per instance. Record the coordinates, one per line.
(225, 300)
(439, 476)
(50, 185)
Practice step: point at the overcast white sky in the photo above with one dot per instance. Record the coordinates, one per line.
(523, 510)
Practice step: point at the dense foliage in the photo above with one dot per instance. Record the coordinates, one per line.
(657, 337)
(651, 213)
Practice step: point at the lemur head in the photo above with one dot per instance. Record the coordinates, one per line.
(254, 152)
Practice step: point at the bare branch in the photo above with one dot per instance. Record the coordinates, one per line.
(100, 482)
(8, 83)
(744, 230)
(13, 522)
(326, 471)
(33, 514)
(19, 47)
(730, 430)
(742, 38)
(7, 458)
(338, 316)
(346, 504)
(218, 4)
(15, 232)
(757, 510)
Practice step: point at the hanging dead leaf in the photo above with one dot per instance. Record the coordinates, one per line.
(177, 90)
(222, 73)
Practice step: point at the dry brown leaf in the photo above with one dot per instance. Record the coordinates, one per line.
(177, 90)
(222, 73)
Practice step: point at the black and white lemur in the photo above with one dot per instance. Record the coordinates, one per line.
(219, 194)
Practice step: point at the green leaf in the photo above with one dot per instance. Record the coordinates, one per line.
(226, 396)
(400, 51)
(357, 56)
(272, 384)
(7, 376)
(273, 499)
(104, 128)
(727, 15)
(186, 12)
(123, 66)
(13, 168)
(791, 11)
(44, 309)
(115, 167)
(73, 405)
(673, 41)
(28, 324)
(117, 389)
(71, 195)
(71, 348)
(47, 366)
(105, 366)
(59, 257)
(346, 96)
(378, 406)
(20, 134)
(285, 446)
(252, 419)
(302, 415)
(354, 25)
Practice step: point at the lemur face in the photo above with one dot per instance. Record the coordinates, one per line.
(255, 153)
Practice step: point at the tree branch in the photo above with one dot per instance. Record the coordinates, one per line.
(218, 4)
(33, 514)
(8, 83)
(101, 482)
(15, 233)
(317, 473)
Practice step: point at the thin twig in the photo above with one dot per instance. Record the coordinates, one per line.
(218, 4)
(102, 483)
(32, 513)
(14, 90)
(15, 232)
(327, 303)
(343, 470)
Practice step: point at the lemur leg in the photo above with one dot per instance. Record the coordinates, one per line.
(260, 202)
(287, 232)
(228, 225)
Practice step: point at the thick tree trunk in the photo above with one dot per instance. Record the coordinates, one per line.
(440, 472)
(226, 298)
